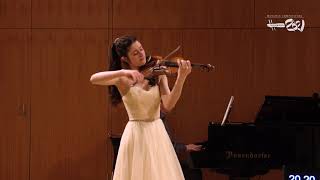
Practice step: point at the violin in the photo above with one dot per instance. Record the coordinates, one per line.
(156, 66)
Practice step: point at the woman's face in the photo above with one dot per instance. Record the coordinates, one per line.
(136, 55)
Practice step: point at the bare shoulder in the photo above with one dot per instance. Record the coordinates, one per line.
(162, 79)
(123, 85)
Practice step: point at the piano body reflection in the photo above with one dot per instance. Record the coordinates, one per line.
(285, 134)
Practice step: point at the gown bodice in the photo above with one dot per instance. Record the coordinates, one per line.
(142, 104)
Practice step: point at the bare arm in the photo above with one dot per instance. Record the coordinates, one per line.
(108, 78)
(170, 98)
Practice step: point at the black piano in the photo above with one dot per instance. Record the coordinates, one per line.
(285, 134)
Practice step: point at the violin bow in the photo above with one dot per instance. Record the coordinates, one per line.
(172, 52)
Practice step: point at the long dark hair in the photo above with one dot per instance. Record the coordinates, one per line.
(120, 48)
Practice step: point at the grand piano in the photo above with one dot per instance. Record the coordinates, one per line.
(285, 134)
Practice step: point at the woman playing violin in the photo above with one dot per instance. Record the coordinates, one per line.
(145, 151)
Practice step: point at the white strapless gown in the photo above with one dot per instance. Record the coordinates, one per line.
(146, 151)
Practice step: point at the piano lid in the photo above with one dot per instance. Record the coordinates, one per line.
(289, 110)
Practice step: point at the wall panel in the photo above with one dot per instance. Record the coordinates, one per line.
(14, 106)
(15, 13)
(69, 127)
(70, 13)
